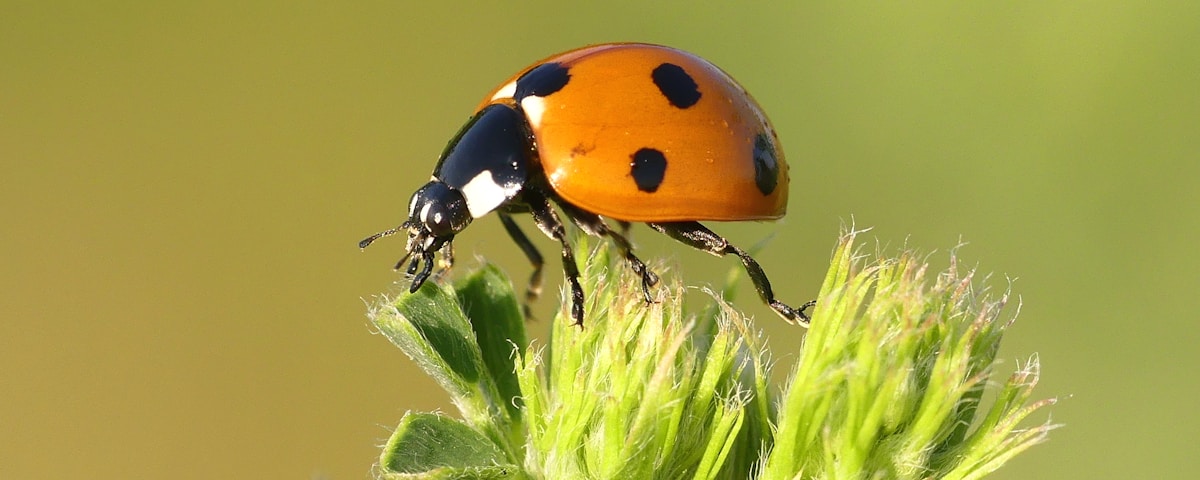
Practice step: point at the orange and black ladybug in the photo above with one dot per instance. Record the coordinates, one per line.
(625, 131)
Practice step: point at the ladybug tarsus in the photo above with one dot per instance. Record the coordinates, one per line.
(595, 226)
(701, 238)
(807, 305)
(425, 272)
(795, 316)
(649, 279)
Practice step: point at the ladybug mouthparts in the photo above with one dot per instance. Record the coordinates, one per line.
(422, 245)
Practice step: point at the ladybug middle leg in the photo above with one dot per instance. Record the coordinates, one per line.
(548, 222)
(593, 225)
(700, 237)
(624, 228)
(534, 289)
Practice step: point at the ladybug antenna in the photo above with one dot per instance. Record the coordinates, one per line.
(389, 232)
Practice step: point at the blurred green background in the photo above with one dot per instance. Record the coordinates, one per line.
(183, 187)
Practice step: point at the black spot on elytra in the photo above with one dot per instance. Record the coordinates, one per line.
(648, 168)
(675, 84)
(542, 81)
(766, 164)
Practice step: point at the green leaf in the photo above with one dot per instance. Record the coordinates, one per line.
(430, 327)
(429, 445)
(487, 299)
(891, 376)
(890, 381)
(639, 392)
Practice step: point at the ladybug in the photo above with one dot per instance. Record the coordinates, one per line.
(625, 131)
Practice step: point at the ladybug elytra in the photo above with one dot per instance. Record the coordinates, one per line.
(625, 131)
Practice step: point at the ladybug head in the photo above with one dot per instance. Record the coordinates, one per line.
(436, 213)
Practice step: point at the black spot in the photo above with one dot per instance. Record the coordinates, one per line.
(675, 84)
(648, 168)
(766, 164)
(542, 81)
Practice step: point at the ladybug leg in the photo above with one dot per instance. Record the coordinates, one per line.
(424, 260)
(448, 256)
(419, 280)
(700, 237)
(649, 279)
(447, 262)
(593, 225)
(548, 222)
(412, 268)
(534, 289)
(624, 228)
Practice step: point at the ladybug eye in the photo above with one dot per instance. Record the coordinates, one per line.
(436, 218)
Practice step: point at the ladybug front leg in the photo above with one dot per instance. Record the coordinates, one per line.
(534, 289)
(700, 237)
(593, 225)
(446, 263)
(548, 222)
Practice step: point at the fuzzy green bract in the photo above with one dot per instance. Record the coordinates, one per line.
(889, 383)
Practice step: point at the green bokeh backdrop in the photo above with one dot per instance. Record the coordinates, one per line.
(183, 186)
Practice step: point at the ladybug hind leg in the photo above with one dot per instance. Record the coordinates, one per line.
(700, 237)
(593, 225)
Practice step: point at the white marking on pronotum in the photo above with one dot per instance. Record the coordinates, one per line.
(483, 194)
(534, 108)
(412, 205)
(506, 91)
